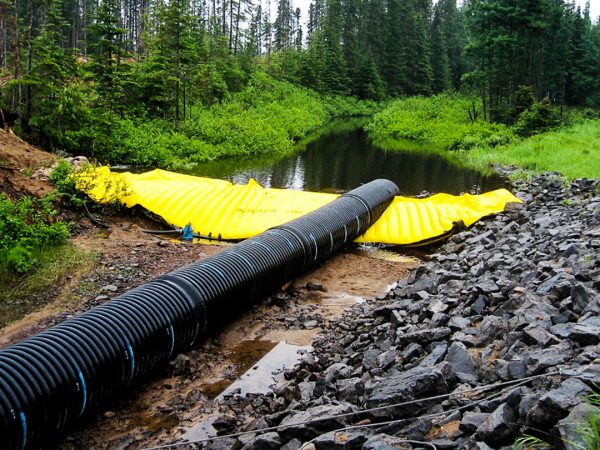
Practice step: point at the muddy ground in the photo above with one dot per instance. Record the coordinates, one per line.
(160, 408)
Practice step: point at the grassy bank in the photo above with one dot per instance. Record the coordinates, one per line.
(452, 123)
(21, 294)
(445, 122)
(267, 117)
(572, 150)
(34, 255)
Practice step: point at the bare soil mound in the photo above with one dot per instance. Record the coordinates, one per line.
(18, 161)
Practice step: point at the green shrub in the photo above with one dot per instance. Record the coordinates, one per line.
(267, 117)
(63, 180)
(540, 117)
(445, 121)
(27, 227)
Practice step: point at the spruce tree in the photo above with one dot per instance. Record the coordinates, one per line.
(417, 52)
(107, 54)
(582, 67)
(440, 66)
(394, 63)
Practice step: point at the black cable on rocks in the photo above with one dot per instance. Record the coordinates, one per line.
(508, 384)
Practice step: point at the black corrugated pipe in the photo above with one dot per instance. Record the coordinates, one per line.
(52, 379)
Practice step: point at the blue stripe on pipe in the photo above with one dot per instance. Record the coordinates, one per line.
(316, 246)
(216, 269)
(131, 359)
(83, 390)
(172, 333)
(24, 428)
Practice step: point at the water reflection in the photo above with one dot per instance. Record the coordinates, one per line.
(344, 157)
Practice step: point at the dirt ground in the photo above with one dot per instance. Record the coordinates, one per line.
(19, 160)
(160, 408)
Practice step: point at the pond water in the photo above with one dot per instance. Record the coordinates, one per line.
(343, 156)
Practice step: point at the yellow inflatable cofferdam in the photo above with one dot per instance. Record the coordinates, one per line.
(222, 210)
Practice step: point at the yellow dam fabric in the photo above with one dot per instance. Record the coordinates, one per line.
(223, 210)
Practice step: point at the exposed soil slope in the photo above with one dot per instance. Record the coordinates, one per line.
(18, 161)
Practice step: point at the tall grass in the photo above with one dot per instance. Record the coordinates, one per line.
(454, 124)
(574, 151)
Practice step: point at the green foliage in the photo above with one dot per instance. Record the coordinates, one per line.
(63, 179)
(529, 442)
(21, 294)
(27, 227)
(268, 116)
(573, 150)
(538, 118)
(589, 430)
(441, 121)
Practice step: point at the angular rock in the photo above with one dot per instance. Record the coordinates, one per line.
(491, 328)
(350, 389)
(478, 305)
(382, 442)
(411, 352)
(487, 286)
(180, 365)
(222, 444)
(340, 440)
(472, 420)
(457, 323)
(387, 359)
(337, 370)
(537, 334)
(267, 441)
(499, 427)
(424, 336)
(536, 362)
(294, 444)
(460, 359)
(581, 297)
(320, 419)
(584, 334)
(555, 404)
(412, 384)
(570, 431)
(437, 353)
(369, 360)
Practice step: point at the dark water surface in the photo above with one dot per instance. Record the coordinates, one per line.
(342, 157)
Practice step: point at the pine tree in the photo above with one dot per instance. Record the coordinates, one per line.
(107, 52)
(283, 26)
(439, 54)
(393, 63)
(368, 83)
(452, 25)
(582, 67)
(57, 104)
(350, 40)
(332, 76)
(417, 52)
(173, 53)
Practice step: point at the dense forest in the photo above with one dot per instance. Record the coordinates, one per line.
(100, 76)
